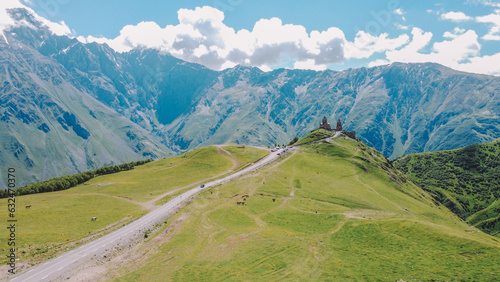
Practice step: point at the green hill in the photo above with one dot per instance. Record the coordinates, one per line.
(315, 135)
(466, 180)
(59, 221)
(325, 211)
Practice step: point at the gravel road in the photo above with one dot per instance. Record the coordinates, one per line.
(58, 268)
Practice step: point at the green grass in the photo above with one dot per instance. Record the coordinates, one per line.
(148, 181)
(59, 220)
(245, 154)
(315, 135)
(341, 212)
(56, 221)
(465, 180)
(488, 219)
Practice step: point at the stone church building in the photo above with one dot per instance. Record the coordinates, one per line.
(325, 125)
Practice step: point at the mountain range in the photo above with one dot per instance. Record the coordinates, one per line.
(67, 107)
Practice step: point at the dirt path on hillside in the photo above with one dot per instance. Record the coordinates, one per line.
(223, 152)
(236, 163)
(283, 160)
(285, 199)
(371, 188)
(136, 254)
(142, 204)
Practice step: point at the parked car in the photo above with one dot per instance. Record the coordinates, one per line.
(202, 186)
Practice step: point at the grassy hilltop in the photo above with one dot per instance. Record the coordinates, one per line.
(466, 180)
(325, 211)
(58, 221)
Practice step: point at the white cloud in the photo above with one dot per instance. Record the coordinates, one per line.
(402, 27)
(90, 39)
(455, 16)
(411, 51)
(494, 21)
(449, 52)
(430, 11)
(379, 62)
(265, 68)
(202, 37)
(59, 28)
(491, 3)
(461, 52)
(365, 44)
(456, 32)
(309, 65)
(484, 64)
(399, 12)
(6, 20)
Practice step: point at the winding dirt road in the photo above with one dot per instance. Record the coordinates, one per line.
(58, 268)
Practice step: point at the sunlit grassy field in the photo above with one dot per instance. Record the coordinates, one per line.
(327, 212)
(317, 134)
(57, 221)
(60, 220)
(146, 182)
(246, 155)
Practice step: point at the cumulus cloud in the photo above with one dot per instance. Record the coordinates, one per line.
(484, 64)
(202, 37)
(455, 16)
(449, 52)
(494, 20)
(456, 32)
(461, 52)
(365, 44)
(309, 65)
(6, 21)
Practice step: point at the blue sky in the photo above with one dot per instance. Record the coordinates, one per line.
(461, 34)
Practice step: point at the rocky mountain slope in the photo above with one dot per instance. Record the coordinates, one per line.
(52, 126)
(398, 109)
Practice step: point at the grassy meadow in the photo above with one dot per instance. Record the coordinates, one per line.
(325, 212)
(246, 155)
(146, 182)
(59, 221)
(315, 135)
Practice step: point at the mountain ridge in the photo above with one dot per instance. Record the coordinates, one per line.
(397, 109)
